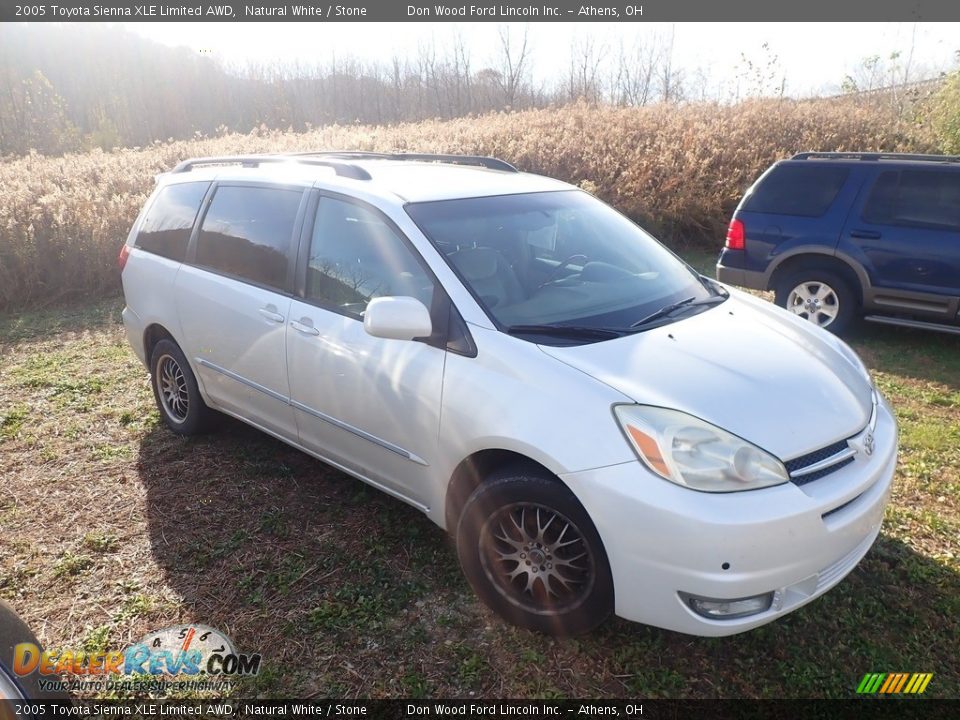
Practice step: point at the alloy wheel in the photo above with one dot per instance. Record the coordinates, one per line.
(172, 386)
(815, 301)
(537, 558)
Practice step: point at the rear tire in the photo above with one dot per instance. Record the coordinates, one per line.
(821, 297)
(14, 631)
(532, 555)
(176, 392)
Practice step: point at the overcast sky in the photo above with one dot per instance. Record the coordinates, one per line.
(813, 57)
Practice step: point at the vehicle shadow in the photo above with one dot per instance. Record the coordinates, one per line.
(347, 592)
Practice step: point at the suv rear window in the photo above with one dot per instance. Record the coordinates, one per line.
(166, 229)
(248, 232)
(915, 198)
(797, 189)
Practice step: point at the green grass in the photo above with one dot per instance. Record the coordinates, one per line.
(115, 527)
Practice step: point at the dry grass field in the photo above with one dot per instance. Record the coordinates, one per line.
(111, 527)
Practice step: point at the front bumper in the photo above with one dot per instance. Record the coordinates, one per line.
(795, 541)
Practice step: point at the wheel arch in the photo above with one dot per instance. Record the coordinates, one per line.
(154, 333)
(855, 276)
(479, 467)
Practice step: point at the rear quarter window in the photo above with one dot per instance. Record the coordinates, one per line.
(797, 188)
(166, 229)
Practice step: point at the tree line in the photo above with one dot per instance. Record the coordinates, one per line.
(66, 88)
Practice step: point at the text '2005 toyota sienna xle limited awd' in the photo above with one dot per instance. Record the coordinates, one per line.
(600, 428)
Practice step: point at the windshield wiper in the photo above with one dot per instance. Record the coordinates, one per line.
(713, 286)
(681, 304)
(569, 331)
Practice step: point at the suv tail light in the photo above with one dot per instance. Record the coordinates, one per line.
(122, 257)
(736, 235)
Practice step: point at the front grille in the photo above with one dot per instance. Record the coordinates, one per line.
(804, 479)
(825, 453)
(816, 456)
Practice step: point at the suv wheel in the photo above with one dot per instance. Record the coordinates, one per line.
(176, 392)
(532, 555)
(820, 296)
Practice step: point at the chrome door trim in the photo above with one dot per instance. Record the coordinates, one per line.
(360, 433)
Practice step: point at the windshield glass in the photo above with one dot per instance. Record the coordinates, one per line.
(556, 258)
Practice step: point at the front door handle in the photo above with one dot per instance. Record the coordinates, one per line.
(271, 314)
(865, 234)
(305, 326)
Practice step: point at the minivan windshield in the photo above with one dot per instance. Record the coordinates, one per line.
(562, 264)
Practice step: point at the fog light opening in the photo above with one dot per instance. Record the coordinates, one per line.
(716, 609)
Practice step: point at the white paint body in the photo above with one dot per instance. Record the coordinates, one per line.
(403, 415)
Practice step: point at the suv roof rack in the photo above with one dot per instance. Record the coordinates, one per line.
(343, 169)
(491, 163)
(875, 156)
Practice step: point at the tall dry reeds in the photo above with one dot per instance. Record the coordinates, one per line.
(677, 170)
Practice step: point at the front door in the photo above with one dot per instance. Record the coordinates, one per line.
(367, 403)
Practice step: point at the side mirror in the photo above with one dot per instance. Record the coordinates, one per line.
(397, 318)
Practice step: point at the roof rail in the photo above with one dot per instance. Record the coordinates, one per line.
(491, 163)
(343, 169)
(875, 156)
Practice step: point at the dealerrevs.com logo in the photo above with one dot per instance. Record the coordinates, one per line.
(185, 657)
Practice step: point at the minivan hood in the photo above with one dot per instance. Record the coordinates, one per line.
(744, 365)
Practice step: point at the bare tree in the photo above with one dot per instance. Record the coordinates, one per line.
(583, 80)
(514, 62)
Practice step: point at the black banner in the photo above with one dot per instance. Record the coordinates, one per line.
(445, 709)
(482, 11)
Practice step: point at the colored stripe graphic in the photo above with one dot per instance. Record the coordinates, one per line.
(894, 683)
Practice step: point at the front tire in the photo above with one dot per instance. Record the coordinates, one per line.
(532, 554)
(820, 297)
(176, 392)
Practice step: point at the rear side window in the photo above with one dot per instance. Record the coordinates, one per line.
(915, 198)
(248, 233)
(166, 229)
(798, 189)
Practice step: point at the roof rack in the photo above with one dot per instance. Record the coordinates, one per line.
(343, 169)
(491, 163)
(875, 156)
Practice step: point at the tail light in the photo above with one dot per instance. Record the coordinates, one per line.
(736, 235)
(122, 257)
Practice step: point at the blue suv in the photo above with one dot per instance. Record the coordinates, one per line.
(839, 236)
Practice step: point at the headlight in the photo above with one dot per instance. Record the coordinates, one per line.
(693, 453)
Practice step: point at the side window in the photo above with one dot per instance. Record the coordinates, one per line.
(798, 188)
(248, 233)
(166, 229)
(915, 198)
(356, 256)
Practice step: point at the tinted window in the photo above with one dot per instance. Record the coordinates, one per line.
(166, 228)
(915, 198)
(797, 189)
(555, 257)
(356, 256)
(248, 231)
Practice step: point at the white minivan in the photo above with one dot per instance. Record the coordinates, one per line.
(601, 428)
